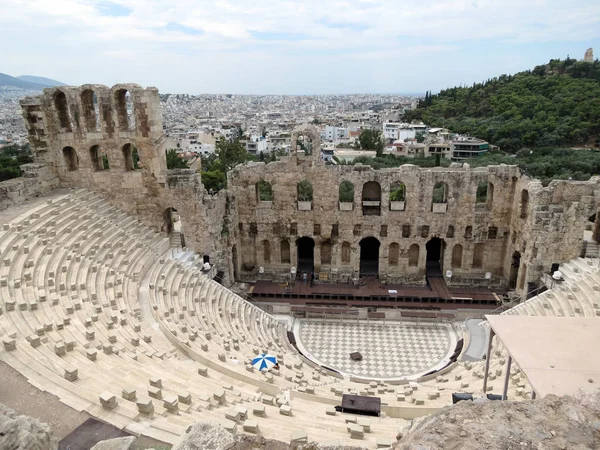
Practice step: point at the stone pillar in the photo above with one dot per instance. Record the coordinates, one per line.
(317, 257)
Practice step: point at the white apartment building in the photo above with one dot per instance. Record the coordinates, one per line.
(256, 145)
(334, 133)
(391, 130)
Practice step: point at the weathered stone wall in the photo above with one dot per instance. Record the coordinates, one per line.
(510, 235)
(274, 221)
(550, 230)
(91, 127)
(37, 179)
(547, 229)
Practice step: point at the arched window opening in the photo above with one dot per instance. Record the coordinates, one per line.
(326, 252)
(397, 196)
(266, 245)
(285, 251)
(439, 198)
(305, 195)
(393, 254)
(469, 232)
(346, 249)
(304, 144)
(450, 232)
(62, 110)
(413, 255)
(99, 158)
(371, 198)
(89, 103)
(440, 193)
(346, 192)
(482, 192)
(125, 109)
(264, 191)
(131, 157)
(457, 252)
(71, 159)
(524, 203)
(369, 257)
(478, 253)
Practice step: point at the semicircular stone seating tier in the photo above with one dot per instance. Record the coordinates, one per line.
(95, 311)
(72, 272)
(578, 295)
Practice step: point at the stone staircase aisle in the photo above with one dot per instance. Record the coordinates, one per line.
(175, 239)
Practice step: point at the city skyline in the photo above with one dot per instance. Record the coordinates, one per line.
(279, 47)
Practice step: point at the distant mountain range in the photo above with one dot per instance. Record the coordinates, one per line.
(28, 82)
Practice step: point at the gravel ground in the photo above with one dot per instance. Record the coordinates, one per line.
(18, 394)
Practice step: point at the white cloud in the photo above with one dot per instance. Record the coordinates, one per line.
(209, 37)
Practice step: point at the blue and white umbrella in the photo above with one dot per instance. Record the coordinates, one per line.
(264, 361)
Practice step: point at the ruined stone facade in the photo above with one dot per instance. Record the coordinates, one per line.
(89, 136)
(492, 226)
(488, 226)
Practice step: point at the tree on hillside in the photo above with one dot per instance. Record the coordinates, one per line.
(552, 105)
(230, 154)
(371, 139)
(174, 161)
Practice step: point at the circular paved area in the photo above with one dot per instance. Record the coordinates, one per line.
(389, 350)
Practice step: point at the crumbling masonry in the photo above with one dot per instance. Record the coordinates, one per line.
(487, 226)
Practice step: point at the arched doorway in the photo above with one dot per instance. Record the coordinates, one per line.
(173, 227)
(435, 256)
(595, 227)
(306, 254)
(514, 270)
(369, 257)
(234, 262)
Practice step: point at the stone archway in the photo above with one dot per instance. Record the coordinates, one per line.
(514, 270)
(306, 254)
(369, 257)
(310, 132)
(435, 256)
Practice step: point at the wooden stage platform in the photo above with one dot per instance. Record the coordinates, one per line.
(435, 295)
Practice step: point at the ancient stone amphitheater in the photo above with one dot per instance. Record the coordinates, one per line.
(100, 310)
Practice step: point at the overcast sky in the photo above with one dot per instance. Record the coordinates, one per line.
(290, 47)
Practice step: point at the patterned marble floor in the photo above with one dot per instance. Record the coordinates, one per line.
(389, 350)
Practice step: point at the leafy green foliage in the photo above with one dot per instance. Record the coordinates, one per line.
(11, 157)
(482, 192)
(265, 192)
(174, 161)
(227, 155)
(552, 105)
(397, 192)
(387, 161)
(305, 191)
(439, 193)
(346, 191)
(214, 180)
(547, 164)
(105, 164)
(371, 139)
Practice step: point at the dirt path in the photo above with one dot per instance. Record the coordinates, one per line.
(18, 394)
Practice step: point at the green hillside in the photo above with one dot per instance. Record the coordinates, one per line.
(557, 104)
